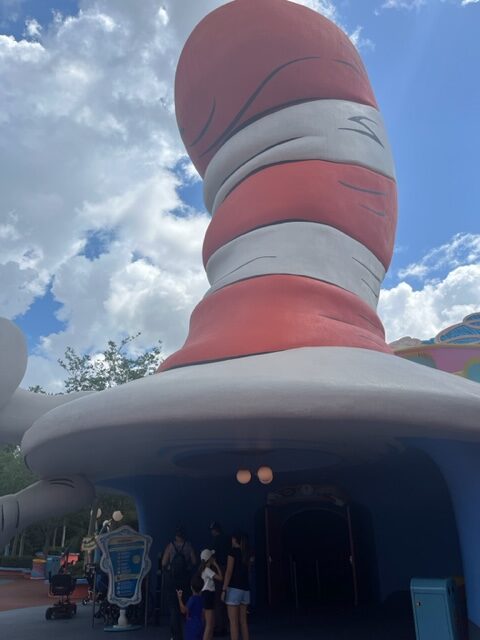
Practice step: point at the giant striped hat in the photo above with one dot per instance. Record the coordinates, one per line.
(277, 113)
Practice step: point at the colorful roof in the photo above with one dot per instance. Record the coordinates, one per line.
(465, 332)
(455, 349)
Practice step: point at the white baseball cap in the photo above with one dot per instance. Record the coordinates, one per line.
(207, 554)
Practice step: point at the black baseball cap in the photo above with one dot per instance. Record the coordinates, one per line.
(215, 526)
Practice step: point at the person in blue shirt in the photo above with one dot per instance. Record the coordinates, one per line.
(193, 610)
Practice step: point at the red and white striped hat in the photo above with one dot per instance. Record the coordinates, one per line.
(277, 113)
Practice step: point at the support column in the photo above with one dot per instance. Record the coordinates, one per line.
(157, 503)
(460, 465)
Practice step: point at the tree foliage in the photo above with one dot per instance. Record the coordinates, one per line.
(14, 475)
(113, 366)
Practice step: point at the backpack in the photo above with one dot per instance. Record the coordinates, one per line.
(178, 564)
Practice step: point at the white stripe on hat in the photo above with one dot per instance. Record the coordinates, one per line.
(299, 248)
(333, 130)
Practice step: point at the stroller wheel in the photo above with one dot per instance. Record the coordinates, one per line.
(48, 614)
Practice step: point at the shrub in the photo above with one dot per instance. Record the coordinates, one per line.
(19, 562)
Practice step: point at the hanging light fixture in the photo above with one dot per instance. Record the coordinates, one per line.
(265, 475)
(244, 476)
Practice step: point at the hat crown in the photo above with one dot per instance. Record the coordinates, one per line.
(277, 113)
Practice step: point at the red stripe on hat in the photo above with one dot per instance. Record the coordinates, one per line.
(355, 200)
(275, 313)
(248, 58)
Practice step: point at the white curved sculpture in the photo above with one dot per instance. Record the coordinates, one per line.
(19, 409)
(13, 353)
(45, 499)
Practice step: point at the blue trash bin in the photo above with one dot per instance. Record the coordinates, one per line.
(435, 605)
(52, 566)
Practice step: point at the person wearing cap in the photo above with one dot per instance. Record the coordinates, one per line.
(221, 544)
(209, 572)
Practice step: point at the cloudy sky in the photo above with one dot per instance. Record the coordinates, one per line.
(101, 213)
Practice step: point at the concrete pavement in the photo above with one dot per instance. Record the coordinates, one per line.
(30, 624)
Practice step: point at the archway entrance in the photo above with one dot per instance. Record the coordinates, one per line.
(317, 546)
(310, 549)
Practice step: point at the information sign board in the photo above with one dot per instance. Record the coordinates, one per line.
(126, 562)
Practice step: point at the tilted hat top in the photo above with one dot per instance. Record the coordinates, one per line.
(277, 113)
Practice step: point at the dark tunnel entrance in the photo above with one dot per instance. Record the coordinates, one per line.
(312, 551)
(318, 560)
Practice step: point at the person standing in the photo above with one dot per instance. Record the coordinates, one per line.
(193, 610)
(220, 543)
(236, 587)
(210, 573)
(178, 562)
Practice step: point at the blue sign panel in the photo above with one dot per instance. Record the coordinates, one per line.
(125, 560)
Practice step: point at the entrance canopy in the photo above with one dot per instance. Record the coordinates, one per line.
(347, 404)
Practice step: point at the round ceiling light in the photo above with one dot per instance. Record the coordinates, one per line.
(244, 476)
(265, 475)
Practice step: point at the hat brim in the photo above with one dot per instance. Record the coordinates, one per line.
(346, 402)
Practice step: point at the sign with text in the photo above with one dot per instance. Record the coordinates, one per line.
(126, 562)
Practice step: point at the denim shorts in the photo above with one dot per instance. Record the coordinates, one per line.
(235, 597)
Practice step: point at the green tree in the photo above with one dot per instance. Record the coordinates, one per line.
(37, 389)
(14, 475)
(109, 368)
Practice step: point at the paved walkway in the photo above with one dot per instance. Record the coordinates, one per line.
(30, 624)
(23, 603)
(19, 592)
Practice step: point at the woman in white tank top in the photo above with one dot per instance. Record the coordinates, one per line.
(209, 571)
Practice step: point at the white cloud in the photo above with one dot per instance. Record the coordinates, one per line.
(418, 4)
(89, 144)
(359, 41)
(449, 290)
(464, 248)
(33, 29)
(45, 371)
(422, 313)
(403, 4)
(328, 9)
(10, 11)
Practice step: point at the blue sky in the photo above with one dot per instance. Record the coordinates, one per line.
(422, 58)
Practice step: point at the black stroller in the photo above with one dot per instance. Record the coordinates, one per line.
(90, 574)
(62, 586)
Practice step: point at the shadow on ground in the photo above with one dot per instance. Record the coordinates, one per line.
(30, 624)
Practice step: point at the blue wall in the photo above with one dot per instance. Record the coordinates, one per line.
(460, 464)
(414, 525)
(403, 518)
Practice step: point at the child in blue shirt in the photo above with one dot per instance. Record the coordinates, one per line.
(193, 610)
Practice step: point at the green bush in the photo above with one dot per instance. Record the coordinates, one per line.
(20, 562)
